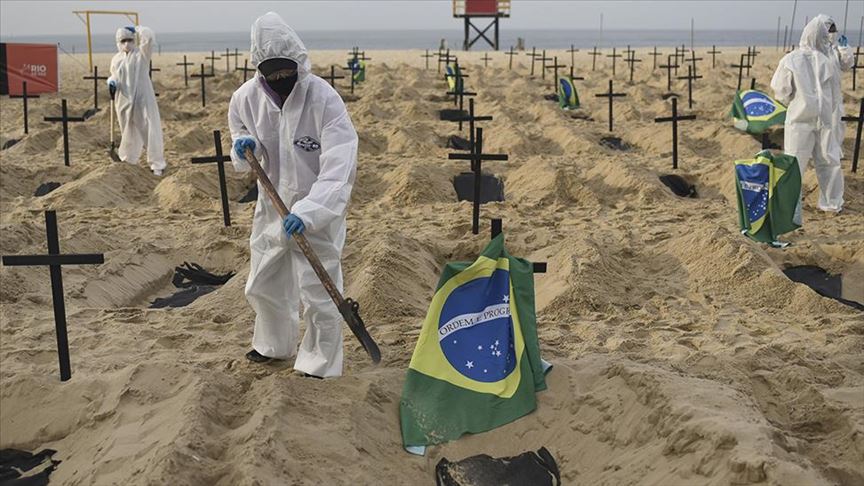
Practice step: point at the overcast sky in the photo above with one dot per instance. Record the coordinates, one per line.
(55, 17)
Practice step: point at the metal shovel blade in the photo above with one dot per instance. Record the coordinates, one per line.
(350, 311)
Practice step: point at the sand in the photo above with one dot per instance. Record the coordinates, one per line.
(682, 353)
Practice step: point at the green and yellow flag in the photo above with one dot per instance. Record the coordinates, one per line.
(754, 111)
(568, 98)
(769, 196)
(477, 362)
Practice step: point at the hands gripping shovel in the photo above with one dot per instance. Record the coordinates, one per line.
(112, 152)
(347, 307)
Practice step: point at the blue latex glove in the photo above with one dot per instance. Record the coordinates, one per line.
(842, 41)
(130, 28)
(292, 224)
(112, 88)
(241, 144)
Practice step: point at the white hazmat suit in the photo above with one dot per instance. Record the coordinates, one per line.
(310, 148)
(135, 100)
(807, 80)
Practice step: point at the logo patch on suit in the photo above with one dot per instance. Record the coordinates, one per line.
(307, 143)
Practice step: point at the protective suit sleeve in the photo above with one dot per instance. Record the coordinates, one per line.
(330, 193)
(115, 61)
(145, 43)
(782, 83)
(238, 129)
(846, 57)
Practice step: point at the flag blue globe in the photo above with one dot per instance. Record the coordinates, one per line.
(757, 104)
(475, 329)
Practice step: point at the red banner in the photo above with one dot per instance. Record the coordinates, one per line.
(34, 63)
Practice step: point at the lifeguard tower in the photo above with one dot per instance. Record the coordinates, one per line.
(477, 9)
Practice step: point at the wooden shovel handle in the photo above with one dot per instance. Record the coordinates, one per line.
(299, 238)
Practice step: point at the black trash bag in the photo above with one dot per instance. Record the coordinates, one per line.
(46, 188)
(89, 113)
(824, 283)
(551, 97)
(614, 143)
(458, 143)
(194, 282)
(250, 196)
(452, 115)
(15, 463)
(9, 143)
(196, 275)
(491, 188)
(527, 469)
(678, 185)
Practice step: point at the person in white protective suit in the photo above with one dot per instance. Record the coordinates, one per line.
(299, 125)
(135, 100)
(807, 80)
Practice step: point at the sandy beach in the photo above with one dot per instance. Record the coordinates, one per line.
(682, 353)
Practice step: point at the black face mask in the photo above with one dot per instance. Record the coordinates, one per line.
(283, 86)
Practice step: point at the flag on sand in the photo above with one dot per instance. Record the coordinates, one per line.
(769, 196)
(754, 111)
(477, 362)
(568, 99)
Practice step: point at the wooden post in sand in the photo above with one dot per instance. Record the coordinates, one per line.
(714, 53)
(203, 89)
(476, 156)
(54, 261)
(594, 55)
(613, 56)
(668, 67)
(631, 59)
(185, 65)
(741, 67)
(690, 77)
(212, 58)
(654, 54)
(510, 55)
(96, 78)
(860, 120)
(65, 119)
(572, 52)
(246, 69)
(427, 56)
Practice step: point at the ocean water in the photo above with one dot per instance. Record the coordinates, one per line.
(426, 39)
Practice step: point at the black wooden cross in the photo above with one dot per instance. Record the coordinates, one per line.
(693, 60)
(185, 65)
(510, 55)
(427, 56)
(613, 56)
(65, 119)
(610, 94)
(690, 77)
(741, 67)
(96, 78)
(486, 59)
(332, 78)
(150, 71)
(54, 261)
(350, 70)
(752, 83)
(246, 69)
(471, 118)
(856, 67)
(654, 54)
(220, 160)
(228, 56)
(594, 55)
(533, 55)
(573, 77)
(631, 59)
(668, 67)
(459, 98)
(860, 120)
(555, 67)
(212, 58)
(203, 90)
(674, 119)
(24, 96)
(679, 54)
(445, 58)
(749, 60)
(538, 267)
(543, 60)
(572, 52)
(476, 156)
(714, 53)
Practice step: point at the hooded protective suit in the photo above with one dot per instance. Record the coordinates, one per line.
(808, 82)
(310, 148)
(135, 101)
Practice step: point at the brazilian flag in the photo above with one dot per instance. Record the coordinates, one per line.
(754, 111)
(769, 196)
(358, 69)
(568, 99)
(477, 362)
(454, 78)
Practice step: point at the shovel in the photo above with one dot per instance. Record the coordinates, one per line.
(349, 309)
(113, 152)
